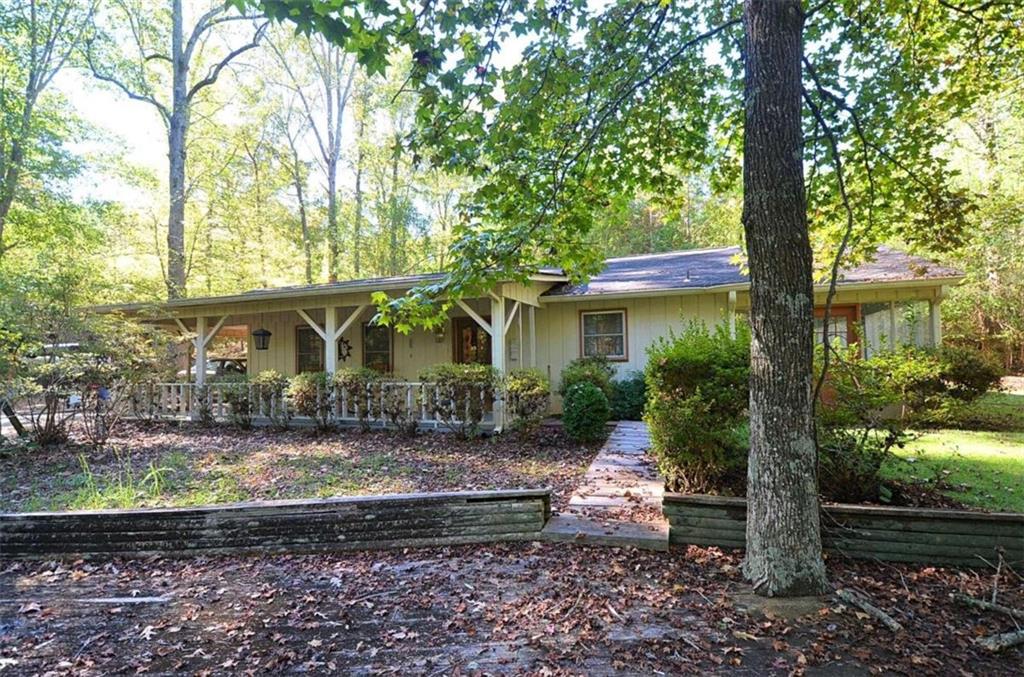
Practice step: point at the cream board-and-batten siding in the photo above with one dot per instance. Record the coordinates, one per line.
(539, 323)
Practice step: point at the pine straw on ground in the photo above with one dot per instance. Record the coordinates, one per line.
(505, 609)
(167, 464)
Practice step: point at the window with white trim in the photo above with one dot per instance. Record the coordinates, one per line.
(603, 334)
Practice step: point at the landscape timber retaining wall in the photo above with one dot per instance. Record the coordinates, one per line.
(918, 535)
(333, 524)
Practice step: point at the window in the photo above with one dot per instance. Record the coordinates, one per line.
(837, 330)
(377, 347)
(603, 334)
(842, 325)
(309, 350)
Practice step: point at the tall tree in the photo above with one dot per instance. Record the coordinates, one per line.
(783, 532)
(156, 66)
(324, 98)
(622, 97)
(37, 40)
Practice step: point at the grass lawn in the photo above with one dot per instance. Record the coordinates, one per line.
(170, 465)
(994, 411)
(982, 469)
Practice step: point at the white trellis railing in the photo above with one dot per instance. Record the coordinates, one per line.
(383, 404)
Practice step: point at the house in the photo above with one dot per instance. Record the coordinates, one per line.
(545, 323)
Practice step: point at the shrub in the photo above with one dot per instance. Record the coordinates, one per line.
(356, 388)
(930, 383)
(629, 395)
(855, 429)
(698, 392)
(459, 394)
(270, 387)
(390, 401)
(310, 394)
(527, 397)
(237, 394)
(202, 404)
(968, 373)
(595, 370)
(585, 412)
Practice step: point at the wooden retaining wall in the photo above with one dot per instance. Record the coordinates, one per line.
(357, 523)
(918, 535)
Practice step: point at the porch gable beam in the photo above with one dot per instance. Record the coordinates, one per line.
(216, 328)
(309, 320)
(184, 330)
(511, 316)
(350, 320)
(476, 316)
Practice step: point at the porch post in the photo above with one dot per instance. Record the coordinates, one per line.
(893, 331)
(330, 339)
(498, 354)
(200, 343)
(935, 319)
(533, 337)
(732, 314)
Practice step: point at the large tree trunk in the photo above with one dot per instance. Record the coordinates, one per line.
(307, 244)
(783, 531)
(395, 219)
(176, 138)
(332, 219)
(357, 228)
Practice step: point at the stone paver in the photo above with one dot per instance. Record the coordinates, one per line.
(619, 500)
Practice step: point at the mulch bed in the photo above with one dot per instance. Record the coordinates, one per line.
(507, 609)
(220, 464)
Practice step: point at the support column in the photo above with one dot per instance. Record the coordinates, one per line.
(330, 339)
(893, 329)
(498, 354)
(533, 337)
(200, 344)
(732, 314)
(935, 320)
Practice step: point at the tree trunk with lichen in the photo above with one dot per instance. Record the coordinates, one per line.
(783, 529)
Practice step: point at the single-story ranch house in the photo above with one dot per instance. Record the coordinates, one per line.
(619, 313)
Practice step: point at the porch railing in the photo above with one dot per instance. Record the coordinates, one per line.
(384, 403)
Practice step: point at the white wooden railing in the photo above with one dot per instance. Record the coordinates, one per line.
(384, 403)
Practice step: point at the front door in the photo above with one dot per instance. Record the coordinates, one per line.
(472, 343)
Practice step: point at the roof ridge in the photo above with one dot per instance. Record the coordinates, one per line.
(674, 252)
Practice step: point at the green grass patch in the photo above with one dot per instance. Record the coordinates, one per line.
(992, 411)
(984, 469)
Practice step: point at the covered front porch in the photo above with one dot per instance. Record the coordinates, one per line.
(308, 334)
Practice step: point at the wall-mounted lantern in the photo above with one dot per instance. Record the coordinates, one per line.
(261, 338)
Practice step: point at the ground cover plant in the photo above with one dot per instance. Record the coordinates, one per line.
(504, 609)
(169, 465)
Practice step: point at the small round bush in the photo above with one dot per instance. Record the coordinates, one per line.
(629, 395)
(596, 370)
(585, 412)
(527, 394)
(310, 394)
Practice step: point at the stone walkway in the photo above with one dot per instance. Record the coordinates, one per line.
(619, 500)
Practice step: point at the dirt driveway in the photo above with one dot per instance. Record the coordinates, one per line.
(517, 608)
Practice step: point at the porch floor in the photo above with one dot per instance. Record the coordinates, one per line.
(618, 502)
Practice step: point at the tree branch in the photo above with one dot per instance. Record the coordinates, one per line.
(132, 94)
(214, 73)
(833, 143)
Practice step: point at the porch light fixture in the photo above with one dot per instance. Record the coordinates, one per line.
(261, 338)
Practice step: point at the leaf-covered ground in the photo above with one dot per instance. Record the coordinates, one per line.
(507, 609)
(171, 465)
